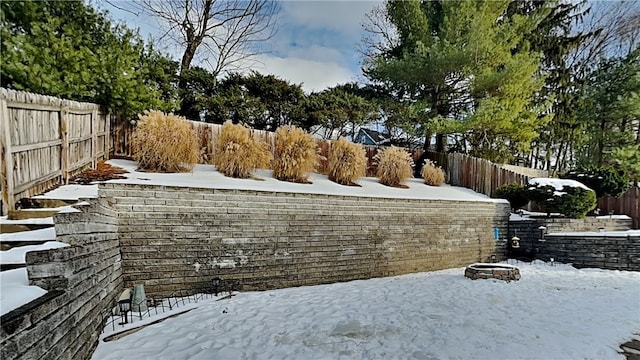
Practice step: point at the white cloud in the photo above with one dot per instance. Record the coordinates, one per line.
(345, 16)
(314, 75)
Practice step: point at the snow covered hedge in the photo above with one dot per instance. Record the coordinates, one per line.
(568, 197)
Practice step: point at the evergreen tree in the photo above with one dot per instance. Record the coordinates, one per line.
(610, 110)
(467, 69)
(67, 49)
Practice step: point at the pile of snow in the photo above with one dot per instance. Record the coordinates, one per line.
(558, 184)
(553, 312)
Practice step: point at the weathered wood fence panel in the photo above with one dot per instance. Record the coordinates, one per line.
(46, 140)
(477, 174)
(628, 204)
(122, 135)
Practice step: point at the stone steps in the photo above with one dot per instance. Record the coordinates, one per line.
(631, 349)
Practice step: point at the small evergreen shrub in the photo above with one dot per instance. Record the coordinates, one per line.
(515, 193)
(164, 143)
(394, 166)
(347, 162)
(433, 175)
(604, 181)
(295, 155)
(571, 201)
(238, 154)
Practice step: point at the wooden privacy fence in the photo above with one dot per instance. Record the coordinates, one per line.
(122, 134)
(628, 204)
(477, 174)
(45, 141)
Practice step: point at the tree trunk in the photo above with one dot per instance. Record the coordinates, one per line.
(427, 141)
(441, 143)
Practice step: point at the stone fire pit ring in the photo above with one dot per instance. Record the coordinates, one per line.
(503, 272)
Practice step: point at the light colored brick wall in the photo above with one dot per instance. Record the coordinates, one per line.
(267, 240)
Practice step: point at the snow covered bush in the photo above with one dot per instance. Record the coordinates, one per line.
(433, 175)
(164, 143)
(514, 193)
(347, 162)
(295, 155)
(394, 166)
(238, 154)
(568, 197)
(604, 180)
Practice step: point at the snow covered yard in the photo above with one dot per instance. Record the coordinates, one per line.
(553, 312)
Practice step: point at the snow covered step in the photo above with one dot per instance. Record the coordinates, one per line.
(42, 213)
(44, 235)
(30, 214)
(18, 227)
(40, 203)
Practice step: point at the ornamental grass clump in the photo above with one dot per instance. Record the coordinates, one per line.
(433, 175)
(238, 154)
(347, 162)
(295, 155)
(164, 143)
(394, 166)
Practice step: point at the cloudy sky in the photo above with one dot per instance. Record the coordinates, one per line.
(316, 44)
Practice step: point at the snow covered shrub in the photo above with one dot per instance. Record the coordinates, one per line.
(433, 175)
(604, 180)
(164, 143)
(347, 162)
(394, 166)
(514, 193)
(295, 155)
(238, 153)
(567, 197)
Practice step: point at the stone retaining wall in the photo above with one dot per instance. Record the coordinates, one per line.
(82, 281)
(603, 251)
(589, 249)
(178, 239)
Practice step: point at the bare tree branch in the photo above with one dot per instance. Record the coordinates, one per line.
(221, 32)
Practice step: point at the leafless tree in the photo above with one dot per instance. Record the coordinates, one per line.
(224, 33)
(616, 32)
(379, 34)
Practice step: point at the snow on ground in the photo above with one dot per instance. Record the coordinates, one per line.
(17, 255)
(553, 312)
(205, 176)
(15, 290)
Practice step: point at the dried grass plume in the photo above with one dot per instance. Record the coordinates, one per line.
(164, 143)
(394, 166)
(433, 175)
(238, 154)
(347, 162)
(295, 155)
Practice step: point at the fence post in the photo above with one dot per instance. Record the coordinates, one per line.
(7, 160)
(94, 138)
(64, 150)
(108, 141)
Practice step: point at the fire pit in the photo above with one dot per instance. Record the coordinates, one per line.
(492, 271)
